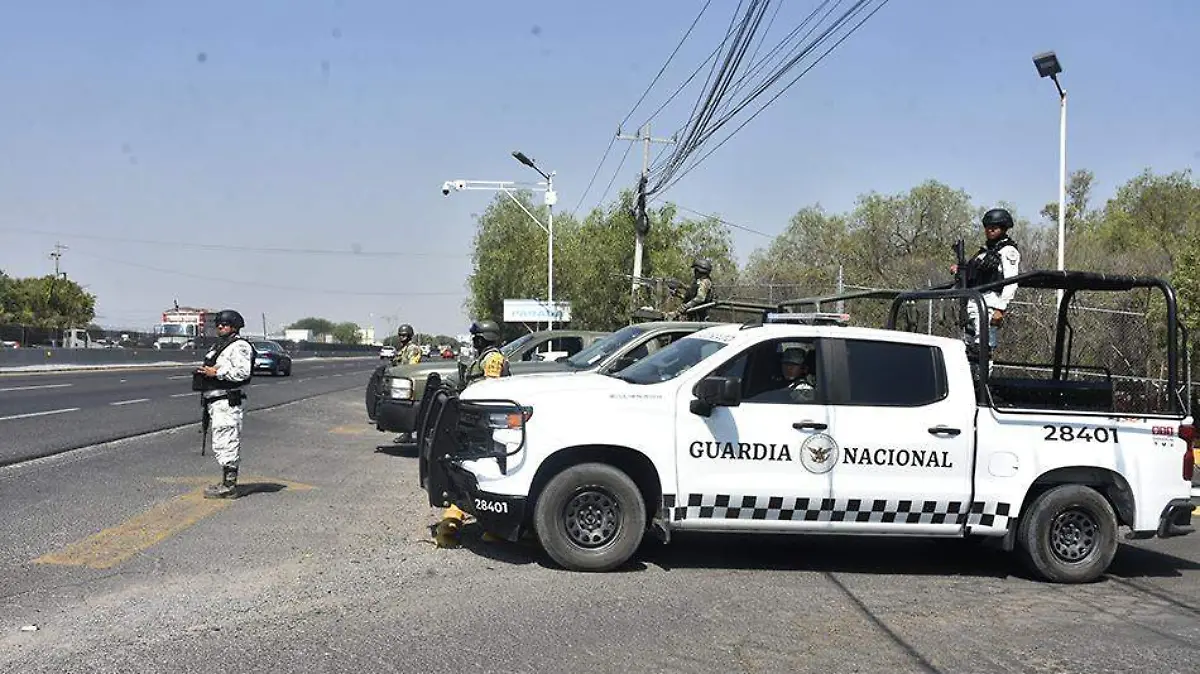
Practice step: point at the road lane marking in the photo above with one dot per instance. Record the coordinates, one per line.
(116, 544)
(348, 430)
(130, 402)
(180, 376)
(33, 388)
(39, 414)
(183, 395)
(123, 381)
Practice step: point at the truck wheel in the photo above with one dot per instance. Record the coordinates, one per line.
(1068, 535)
(590, 517)
(373, 390)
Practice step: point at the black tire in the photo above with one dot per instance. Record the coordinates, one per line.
(611, 504)
(1068, 534)
(373, 390)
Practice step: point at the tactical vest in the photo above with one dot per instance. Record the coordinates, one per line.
(210, 360)
(474, 371)
(986, 266)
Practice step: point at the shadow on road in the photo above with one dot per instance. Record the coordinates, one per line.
(831, 553)
(251, 488)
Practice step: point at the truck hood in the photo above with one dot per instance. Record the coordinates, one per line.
(422, 370)
(527, 387)
(539, 367)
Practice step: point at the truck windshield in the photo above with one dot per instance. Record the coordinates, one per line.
(671, 361)
(176, 330)
(603, 348)
(514, 346)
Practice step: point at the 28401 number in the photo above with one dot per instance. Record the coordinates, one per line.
(1080, 434)
(491, 506)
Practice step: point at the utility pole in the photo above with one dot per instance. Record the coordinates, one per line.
(264, 319)
(58, 249)
(644, 136)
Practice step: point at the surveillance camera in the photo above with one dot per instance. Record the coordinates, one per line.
(446, 188)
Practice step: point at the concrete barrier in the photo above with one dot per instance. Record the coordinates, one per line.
(49, 357)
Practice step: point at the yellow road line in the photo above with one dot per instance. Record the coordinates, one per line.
(117, 544)
(114, 545)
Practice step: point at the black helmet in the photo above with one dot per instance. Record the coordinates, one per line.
(702, 265)
(488, 330)
(231, 318)
(998, 217)
(406, 331)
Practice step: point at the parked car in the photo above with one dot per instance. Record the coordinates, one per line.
(394, 391)
(271, 357)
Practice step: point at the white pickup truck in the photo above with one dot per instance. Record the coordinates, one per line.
(895, 433)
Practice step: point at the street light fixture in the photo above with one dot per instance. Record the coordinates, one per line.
(1048, 66)
(551, 198)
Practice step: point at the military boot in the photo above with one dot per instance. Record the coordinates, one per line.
(227, 488)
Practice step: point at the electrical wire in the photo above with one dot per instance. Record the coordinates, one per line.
(269, 286)
(661, 70)
(230, 247)
(663, 186)
(615, 174)
(724, 222)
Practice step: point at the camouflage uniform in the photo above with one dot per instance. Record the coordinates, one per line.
(489, 363)
(700, 293)
(409, 354)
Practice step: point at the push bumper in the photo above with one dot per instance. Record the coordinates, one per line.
(499, 514)
(396, 416)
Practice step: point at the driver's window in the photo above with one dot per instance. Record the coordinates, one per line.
(778, 371)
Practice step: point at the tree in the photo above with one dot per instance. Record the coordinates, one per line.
(803, 260)
(48, 302)
(346, 333)
(319, 326)
(1079, 191)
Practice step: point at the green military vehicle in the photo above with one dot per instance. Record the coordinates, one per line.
(394, 391)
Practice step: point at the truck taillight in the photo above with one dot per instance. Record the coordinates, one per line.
(1188, 433)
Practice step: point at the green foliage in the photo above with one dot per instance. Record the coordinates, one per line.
(319, 326)
(45, 302)
(346, 333)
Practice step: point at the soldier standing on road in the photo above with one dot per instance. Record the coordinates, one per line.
(997, 259)
(489, 362)
(226, 370)
(407, 353)
(700, 293)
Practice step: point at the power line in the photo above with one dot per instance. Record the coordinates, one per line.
(771, 100)
(615, 174)
(229, 247)
(269, 286)
(725, 222)
(661, 70)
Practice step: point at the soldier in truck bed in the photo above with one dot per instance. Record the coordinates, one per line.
(700, 292)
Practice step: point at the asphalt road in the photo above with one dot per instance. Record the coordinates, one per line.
(326, 566)
(50, 412)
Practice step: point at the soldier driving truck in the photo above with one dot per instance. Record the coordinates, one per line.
(1046, 463)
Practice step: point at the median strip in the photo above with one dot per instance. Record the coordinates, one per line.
(30, 415)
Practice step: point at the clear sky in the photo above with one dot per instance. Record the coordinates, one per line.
(331, 126)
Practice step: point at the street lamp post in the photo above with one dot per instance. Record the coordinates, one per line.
(1048, 66)
(550, 199)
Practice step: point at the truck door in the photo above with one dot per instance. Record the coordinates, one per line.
(763, 464)
(905, 438)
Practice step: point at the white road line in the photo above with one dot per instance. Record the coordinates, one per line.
(130, 402)
(180, 376)
(39, 414)
(33, 388)
(183, 395)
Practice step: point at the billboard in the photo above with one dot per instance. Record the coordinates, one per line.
(536, 311)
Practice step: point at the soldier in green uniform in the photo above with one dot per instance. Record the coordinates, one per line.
(700, 293)
(489, 362)
(407, 353)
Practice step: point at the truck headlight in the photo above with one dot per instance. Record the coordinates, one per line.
(510, 420)
(400, 388)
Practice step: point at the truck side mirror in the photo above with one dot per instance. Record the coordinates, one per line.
(712, 392)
